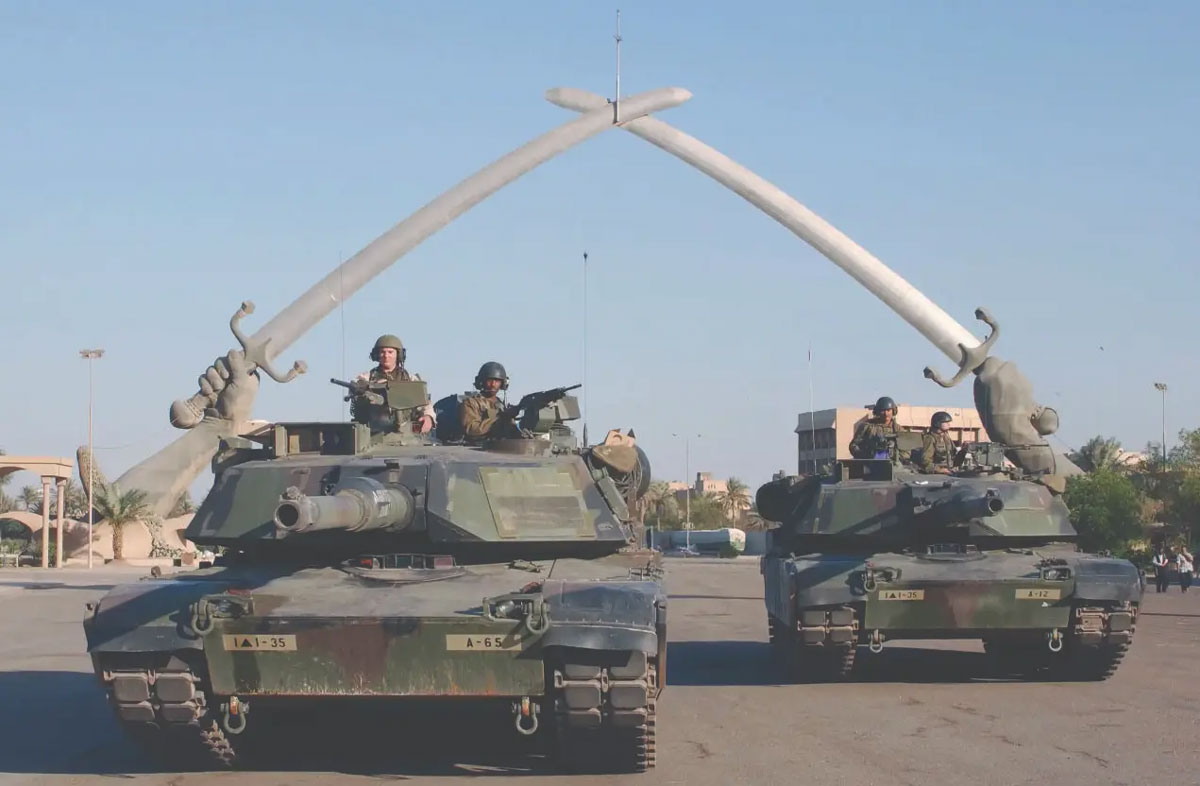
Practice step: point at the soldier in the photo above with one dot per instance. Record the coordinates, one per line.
(938, 451)
(389, 354)
(484, 415)
(867, 437)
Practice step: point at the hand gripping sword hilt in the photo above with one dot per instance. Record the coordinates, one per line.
(256, 352)
(972, 357)
(187, 413)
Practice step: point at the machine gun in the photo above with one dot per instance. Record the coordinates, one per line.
(535, 402)
(389, 405)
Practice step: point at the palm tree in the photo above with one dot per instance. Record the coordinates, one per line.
(183, 505)
(120, 508)
(734, 499)
(1099, 454)
(31, 498)
(74, 501)
(655, 496)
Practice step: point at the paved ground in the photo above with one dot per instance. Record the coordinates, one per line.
(920, 714)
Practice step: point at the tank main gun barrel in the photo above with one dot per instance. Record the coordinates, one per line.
(960, 508)
(359, 505)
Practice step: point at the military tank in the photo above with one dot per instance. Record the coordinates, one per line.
(364, 565)
(876, 551)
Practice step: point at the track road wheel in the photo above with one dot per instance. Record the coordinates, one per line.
(605, 715)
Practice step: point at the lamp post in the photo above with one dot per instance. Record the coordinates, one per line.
(585, 356)
(90, 355)
(687, 491)
(1161, 387)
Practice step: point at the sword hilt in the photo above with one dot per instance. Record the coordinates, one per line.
(972, 357)
(187, 413)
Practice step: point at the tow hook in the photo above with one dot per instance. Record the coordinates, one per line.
(1055, 641)
(234, 712)
(876, 642)
(525, 716)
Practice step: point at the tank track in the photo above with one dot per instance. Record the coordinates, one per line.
(164, 710)
(821, 648)
(1099, 638)
(1093, 647)
(604, 711)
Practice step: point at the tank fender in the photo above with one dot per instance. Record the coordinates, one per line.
(604, 615)
(825, 582)
(151, 615)
(1102, 579)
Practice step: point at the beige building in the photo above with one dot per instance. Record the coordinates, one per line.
(824, 436)
(704, 484)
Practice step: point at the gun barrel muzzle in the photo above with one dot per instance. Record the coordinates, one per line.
(357, 505)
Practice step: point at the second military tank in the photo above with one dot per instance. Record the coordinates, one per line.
(371, 567)
(876, 551)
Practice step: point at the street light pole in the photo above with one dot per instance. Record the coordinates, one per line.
(687, 489)
(90, 355)
(1162, 388)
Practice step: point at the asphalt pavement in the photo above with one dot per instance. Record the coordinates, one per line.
(918, 713)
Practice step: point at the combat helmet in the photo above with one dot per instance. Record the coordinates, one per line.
(388, 340)
(491, 370)
(884, 404)
(939, 418)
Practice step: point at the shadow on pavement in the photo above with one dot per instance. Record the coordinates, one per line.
(59, 722)
(721, 663)
(57, 585)
(731, 663)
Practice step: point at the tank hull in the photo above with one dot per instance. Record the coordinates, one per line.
(1068, 613)
(582, 669)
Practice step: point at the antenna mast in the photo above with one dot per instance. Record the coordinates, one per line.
(617, 98)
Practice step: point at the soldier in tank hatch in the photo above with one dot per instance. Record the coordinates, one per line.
(939, 454)
(485, 415)
(389, 355)
(870, 434)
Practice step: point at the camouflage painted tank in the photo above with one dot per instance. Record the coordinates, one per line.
(364, 565)
(876, 551)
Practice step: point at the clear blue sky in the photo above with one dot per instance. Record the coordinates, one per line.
(160, 164)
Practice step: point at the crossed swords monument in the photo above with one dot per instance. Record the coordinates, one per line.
(221, 407)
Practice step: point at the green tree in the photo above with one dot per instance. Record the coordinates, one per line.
(120, 508)
(1105, 509)
(707, 512)
(1099, 454)
(183, 505)
(734, 499)
(30, 499)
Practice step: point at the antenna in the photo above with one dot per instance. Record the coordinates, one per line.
(812, 415)
(585, 356)
(617, 98)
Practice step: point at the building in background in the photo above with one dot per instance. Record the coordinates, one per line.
(824, 436)
(704, 484)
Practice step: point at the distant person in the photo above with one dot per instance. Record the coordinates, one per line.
(939, 454)
(1185, 563)
(1162, 575)
(869, 437)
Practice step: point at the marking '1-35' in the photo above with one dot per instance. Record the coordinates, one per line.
(900, 594)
